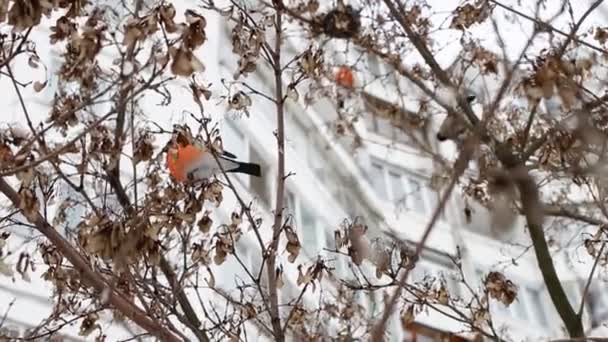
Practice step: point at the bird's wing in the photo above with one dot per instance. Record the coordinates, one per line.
(206, 166)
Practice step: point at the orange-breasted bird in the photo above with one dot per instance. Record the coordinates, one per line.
(193, 163)
(345, 77)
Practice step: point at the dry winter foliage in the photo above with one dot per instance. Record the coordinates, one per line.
(151, 252)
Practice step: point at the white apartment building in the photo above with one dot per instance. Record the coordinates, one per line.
(386, 182)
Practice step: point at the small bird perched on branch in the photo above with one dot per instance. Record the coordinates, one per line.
(452, 128)
(345, 77)
(194, 163)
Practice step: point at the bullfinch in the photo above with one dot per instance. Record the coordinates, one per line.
(345, 77)
(193, 163)
(451, 128)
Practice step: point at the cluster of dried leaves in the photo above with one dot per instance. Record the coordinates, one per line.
(500, 288)
(469, 14)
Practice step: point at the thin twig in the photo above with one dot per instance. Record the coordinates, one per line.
(14, 53)
(589, 280)
(10, 305)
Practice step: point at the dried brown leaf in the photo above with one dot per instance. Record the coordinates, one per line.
(39, 86)
(407, 317)
(89, 324)
(249, 311)
(5, 269)
(204, 224)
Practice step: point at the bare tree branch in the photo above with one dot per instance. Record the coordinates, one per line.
(280, 194)
(589, 280)
(91, 277)
(534, 217)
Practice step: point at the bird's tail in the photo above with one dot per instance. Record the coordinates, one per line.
(247, 168)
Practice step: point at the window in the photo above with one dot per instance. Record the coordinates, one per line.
(378, 122)
(421, 334)
(351, 205)
(335, 262)
(340, 266)
(537, 306)
(297, 137)
(397, 188)
(384, 128)
(290, 204)
(367, 301)
(374, 65)
(330, 239)
(304, 221)
(418, 273)
(433, 199)
(308, 228)
(317, 164)
(415, 196)
(572, 291)
(234, 141)
(248, 4)
(518, 307)
(244, 253)
(453, 284)
(9, 331)
(374, 303)
(288, 293)
(598, 304)
(261, 186)
(499, 309)
(456, 208)
(376, 176)
(424, 338)
(307, 219)
(403, 190)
